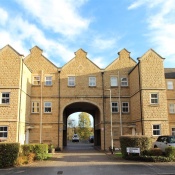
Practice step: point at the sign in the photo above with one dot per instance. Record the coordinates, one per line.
(132, 150)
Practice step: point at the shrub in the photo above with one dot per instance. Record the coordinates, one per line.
(143, 142)
(170, 152)
(155, 152)
(8, 154)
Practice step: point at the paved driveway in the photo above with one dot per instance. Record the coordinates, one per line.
(83, 159)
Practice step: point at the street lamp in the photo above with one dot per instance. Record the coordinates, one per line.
(111, 120)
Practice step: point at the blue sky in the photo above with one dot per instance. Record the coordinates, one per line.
(100, 27)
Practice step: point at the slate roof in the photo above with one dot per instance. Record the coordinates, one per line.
(169, 73)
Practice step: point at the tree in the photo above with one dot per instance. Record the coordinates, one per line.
(84, 126)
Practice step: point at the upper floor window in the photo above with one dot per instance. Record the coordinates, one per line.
(5, 98)
(47, 107)
(113, 80)
(36, 80)
(124, 82)
(48, 81)
(169, 85)
(3, 131)
(114, 107)
(154, 98)
(171, 108)
(35, 107)
(71, 81)
(156, 130)
(125, 107)
(92, 81)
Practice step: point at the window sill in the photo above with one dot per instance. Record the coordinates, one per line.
(5, 105)
(48, 113)
(154, 105)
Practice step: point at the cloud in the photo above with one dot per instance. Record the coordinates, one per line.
(59, 16)
(160, 26)
(3, 17)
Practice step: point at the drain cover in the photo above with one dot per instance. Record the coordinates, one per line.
(60, 172)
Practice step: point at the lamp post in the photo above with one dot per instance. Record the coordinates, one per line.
(111, 120)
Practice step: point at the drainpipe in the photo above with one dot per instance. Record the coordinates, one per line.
(41, 113)
(59, 71)
(141, 112)
(19, 112)
(102, 73)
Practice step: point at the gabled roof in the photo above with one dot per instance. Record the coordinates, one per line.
(150, 50)
(10, 47)
(169, 73)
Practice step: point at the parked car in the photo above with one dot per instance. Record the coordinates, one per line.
(164, 141)
(75, 138)
(91, 139)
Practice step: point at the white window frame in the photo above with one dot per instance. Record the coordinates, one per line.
(35, 107)
(115, 107)
(36, 80)
(92, 81)
(48, 80)
(114, 81)
(172, 108)
(5, 98)
(158, 130)
(124, 81)
(173, 131)
(71, 81)
(154, 100)
(125, 107)
(3, 132)
(170, 85)
(47, 107)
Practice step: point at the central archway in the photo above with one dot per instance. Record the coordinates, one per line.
(87, 107)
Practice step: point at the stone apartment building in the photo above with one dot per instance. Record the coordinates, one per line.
(36, 97)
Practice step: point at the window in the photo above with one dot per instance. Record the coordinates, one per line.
(47, 107)
(36, 80)
(124, 82)
(114, 107)
(5, 98)
(48, 81)
(169, 85)
(35, 107)
(171, 108)
(92, 81)
(156, 130)
(71, 81)
(113, 81)
(125, 107)
(3, 131)
(173, 131)
(154, 98)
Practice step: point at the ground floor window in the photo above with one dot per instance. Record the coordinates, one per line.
(156, 130)
(173, 131)
(3, 131)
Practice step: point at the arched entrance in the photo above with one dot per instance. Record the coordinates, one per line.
(83, 107)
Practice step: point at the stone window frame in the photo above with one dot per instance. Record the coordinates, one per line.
(36, 80)
(35, 108)
(170, 85)
(115, 108)
(48, 82)
(114, 81)
(71, 81)
(3, 133)
(4, 100)
(92, 81)
(47, 107)
(156, 129)
(154, 100)
(127, 107)
(172, 108)
(124, 82)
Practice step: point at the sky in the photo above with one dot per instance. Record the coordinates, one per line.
(100, 27)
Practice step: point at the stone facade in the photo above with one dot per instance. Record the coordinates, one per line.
(37, 97)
